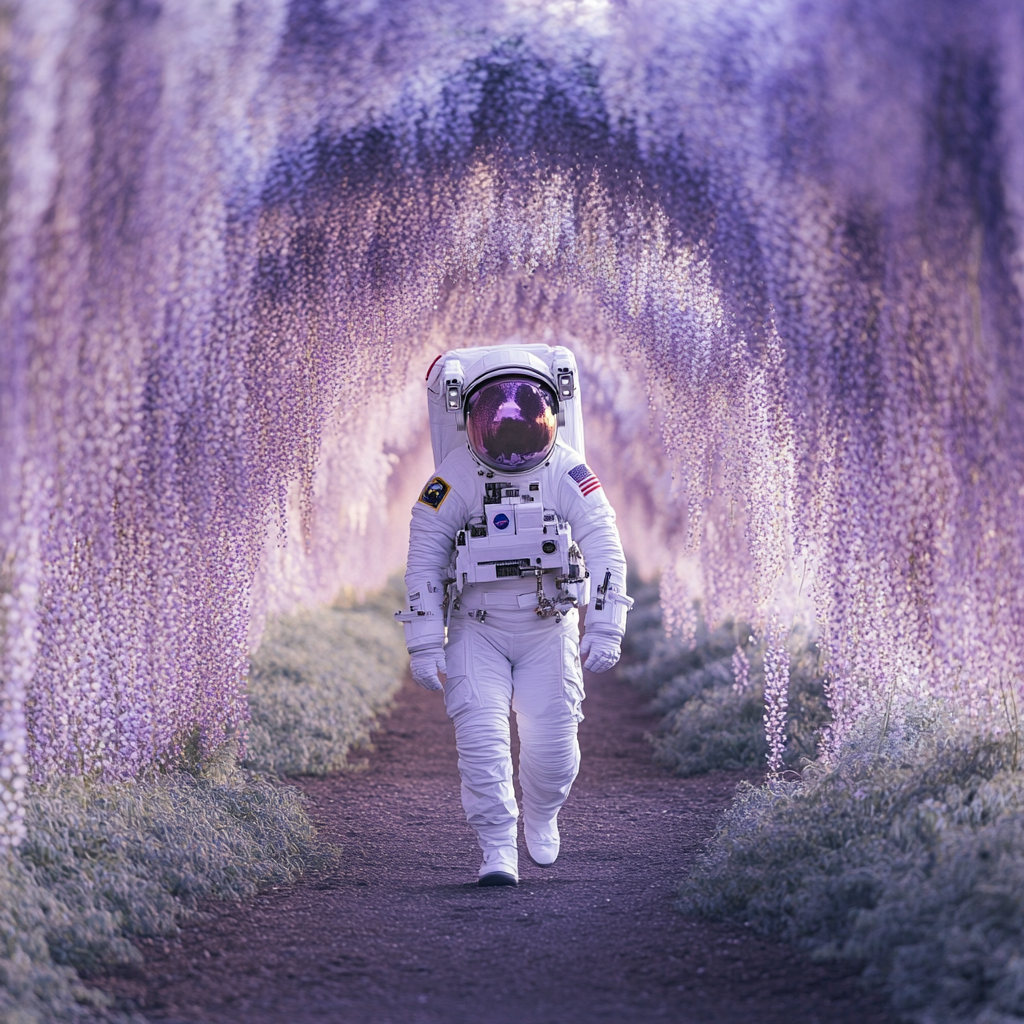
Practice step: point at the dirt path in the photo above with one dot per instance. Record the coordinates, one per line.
(401, 935)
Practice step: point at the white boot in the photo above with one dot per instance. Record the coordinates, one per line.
(542, 840)
(500, 866)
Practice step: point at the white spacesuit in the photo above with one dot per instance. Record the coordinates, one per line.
(495, 554)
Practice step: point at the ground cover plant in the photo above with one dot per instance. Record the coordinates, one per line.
(710, 691)
(104, 863)
(317, 682)
(904, 855)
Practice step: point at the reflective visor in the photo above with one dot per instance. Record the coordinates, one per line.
(512, 424)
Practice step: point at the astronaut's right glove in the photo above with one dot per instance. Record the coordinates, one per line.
(600, 650)
(425, 665)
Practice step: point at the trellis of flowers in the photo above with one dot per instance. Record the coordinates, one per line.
(231, 239)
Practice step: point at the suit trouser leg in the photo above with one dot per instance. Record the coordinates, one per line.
(478, 696)
(547, 684)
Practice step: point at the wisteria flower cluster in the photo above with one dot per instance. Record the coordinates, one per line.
(776, 698)
(740, 670)
(232, 244)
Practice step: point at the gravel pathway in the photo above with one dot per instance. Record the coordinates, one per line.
(400, 934)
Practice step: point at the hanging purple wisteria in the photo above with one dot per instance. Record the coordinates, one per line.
(786, 235)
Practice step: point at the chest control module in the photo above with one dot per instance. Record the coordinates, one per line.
(516, 537)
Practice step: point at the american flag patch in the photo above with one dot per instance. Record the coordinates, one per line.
(584, 476)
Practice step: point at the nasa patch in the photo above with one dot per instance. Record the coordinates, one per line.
(435, 492)
(501, 521)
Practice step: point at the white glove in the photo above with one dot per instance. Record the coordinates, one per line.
(599, 651)
(426, 664)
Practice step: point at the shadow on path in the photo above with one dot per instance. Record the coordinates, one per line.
(400, 934)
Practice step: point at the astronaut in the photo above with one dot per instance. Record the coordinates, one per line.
(496, 554)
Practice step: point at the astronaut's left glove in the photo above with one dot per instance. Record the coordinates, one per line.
(426, 664)
(600, 650)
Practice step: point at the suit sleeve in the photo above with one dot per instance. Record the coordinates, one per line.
(436, 518)
(432, 539)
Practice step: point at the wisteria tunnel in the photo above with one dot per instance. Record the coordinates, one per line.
(784, 239)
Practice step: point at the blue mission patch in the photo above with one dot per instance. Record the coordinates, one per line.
(435, 492)
(501, 521)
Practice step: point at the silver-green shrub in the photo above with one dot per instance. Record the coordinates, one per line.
(317, 682)
(711, 717)
(905, 856)
(33, 988)
(102, 863)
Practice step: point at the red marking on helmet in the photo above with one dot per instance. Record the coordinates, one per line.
(432, 365)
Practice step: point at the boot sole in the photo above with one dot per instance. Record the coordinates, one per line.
(498, 878)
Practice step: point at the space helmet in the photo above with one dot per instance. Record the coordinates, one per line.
(512, 422)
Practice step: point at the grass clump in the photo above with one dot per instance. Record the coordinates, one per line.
(104, 863)
(710, 718)
(318, 681)
(33, 987)
(904, 856)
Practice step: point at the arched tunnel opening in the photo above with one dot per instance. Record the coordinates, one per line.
(799, 339)
(783, 241)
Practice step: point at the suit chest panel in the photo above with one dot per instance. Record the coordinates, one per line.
(511, 533)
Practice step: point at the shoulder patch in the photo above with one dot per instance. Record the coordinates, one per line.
(435, 492)
(585, 478)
